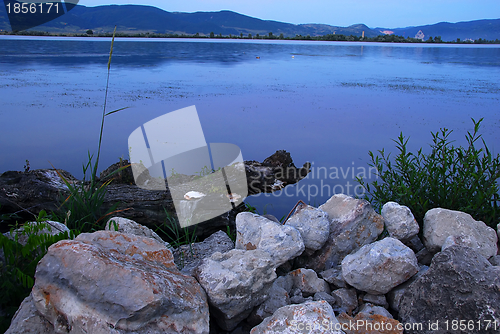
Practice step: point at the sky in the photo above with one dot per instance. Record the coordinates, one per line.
(373, 13)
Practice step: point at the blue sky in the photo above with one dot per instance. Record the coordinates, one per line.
(374, 13)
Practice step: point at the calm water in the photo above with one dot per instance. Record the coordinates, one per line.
(327, 103)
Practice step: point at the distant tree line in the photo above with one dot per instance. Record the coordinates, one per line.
(270, 35)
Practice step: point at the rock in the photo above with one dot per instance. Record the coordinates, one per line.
(120, 173)
(371, 309)
(379, 267)
(312, 317)
(439, 224)
(353, 223)
(463, 240)
(364, 323)
(498, 231)
(424, 256)
(235, 283)
(298, 298)
(379, 300)
(399, 221)
(271, 217)
(124, 225)
(111, 282)
(326, 297)
(278, 297)
(28, 320)
(285, 282)
(415, 244)
(334, 277)
(274, 173)
(495, 260)
(347, 300)
(188, 257)
(394, 296)
(282, 242)
(313, 225)
(460, 285)
(307, 281)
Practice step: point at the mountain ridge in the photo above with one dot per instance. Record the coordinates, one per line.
(145, 18)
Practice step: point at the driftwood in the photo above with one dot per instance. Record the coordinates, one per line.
(27, 193)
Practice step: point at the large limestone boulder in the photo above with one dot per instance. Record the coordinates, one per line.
(311, 317)
(188, 257)
(313, 225)
(354, 224)
(28, 320)
(439, 224)
(281, 242)
(235, 283)
(111, 282)
(399, 221)
(125, 225)
(377, 268)
(460, 285)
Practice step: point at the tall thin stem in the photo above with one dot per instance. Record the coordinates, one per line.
(94, 172)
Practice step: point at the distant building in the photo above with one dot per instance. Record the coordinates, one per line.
(420, 35)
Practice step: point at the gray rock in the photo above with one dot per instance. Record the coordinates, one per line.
(354, 223)
(235, 283)
(278, 297)
(498, 231)
(394, 296)
(347, 300)
(379, 300)
(285, 282)
(334, 277)
(307, 281)
(379, 267)
(125, 225)
(415, 244)
(311, 317)
(462, 240)
(460, 284)
(281, 242)
(28, 320)
(326, 297)
(399, 221)
(111, 282)
(188, 257)
(439, 224)
(424, 256)
(495, 260)
(313, 225)
(373, 309)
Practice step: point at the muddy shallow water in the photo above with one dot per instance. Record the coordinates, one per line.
(327, 103)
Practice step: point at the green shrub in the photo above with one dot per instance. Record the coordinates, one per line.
(17, 271)
(455, 178)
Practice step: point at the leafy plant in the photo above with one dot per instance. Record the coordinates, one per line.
(23, 248)
(176, 235)
(456, 178)
(83, 207)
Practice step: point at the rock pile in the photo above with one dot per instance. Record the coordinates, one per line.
(327, 270)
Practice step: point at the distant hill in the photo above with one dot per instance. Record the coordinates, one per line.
(142, 19)
(485, 29)
(139, 18)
